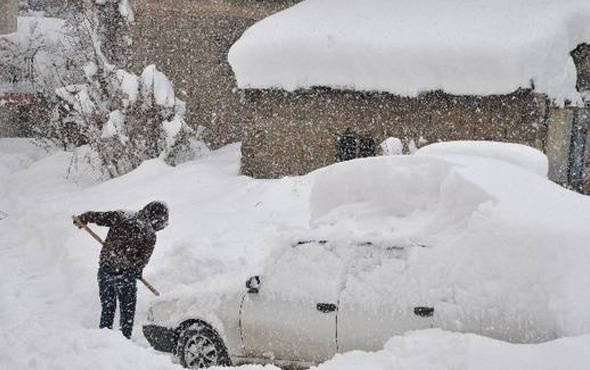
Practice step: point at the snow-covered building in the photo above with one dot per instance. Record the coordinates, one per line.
(325, 74)
(8, 14)
(504, 71)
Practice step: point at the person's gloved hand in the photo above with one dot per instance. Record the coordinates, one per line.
(83, 218)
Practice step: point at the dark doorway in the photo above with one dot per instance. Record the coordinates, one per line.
(347, 146)
(366, 147)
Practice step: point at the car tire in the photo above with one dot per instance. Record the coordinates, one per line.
(200, 347)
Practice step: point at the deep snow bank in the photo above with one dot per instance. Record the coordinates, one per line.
(522, 239)
(406, 47)
(221, 227)
(439, 350)
(83, 349)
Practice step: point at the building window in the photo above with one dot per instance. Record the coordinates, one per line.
(347, 146)
(366, 147)
(350, 146)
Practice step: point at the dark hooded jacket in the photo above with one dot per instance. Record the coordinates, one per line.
(131, 237)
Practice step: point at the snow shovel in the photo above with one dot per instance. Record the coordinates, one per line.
(98, 239)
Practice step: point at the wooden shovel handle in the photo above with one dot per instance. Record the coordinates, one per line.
(150, 287)
(82, 225)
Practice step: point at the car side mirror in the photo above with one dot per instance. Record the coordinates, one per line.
(424, 311)
(253, 284)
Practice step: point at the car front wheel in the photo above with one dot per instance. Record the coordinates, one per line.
(200, 347)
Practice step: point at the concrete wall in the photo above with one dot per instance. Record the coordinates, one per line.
(8, 16)
(295, 133)
(9, 121)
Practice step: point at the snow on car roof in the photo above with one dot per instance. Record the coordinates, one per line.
(486, 215)
(410, 46)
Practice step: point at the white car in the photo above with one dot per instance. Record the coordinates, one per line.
(317, 299)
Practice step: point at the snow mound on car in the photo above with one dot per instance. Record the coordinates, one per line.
(501, 241)
(405, 192)
(516, 154)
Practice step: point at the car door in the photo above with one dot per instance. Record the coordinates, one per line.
(380, 299)
(293, 315)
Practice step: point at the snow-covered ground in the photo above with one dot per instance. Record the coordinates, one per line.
(221, 224)
(224, 226)
(405, 47)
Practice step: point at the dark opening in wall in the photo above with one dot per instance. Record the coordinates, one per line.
(366, 147)
(347, 146)
(351, 146)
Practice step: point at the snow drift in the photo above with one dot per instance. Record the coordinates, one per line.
(406, 47)
(438, 350)
(492, 230)
(48, 289)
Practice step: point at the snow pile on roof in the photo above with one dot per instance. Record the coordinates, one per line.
(410, 46)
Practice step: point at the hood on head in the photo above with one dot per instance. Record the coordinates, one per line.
(156, 213)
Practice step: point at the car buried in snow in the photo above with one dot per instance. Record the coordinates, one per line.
(466, 237)
(317, 299)
(297, 313)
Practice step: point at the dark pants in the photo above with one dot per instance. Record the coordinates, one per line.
(112, 287)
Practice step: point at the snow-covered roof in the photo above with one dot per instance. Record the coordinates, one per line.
(475, 47)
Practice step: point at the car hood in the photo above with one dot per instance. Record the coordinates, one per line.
(203, 305)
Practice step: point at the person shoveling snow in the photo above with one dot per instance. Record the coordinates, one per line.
(126, 251)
